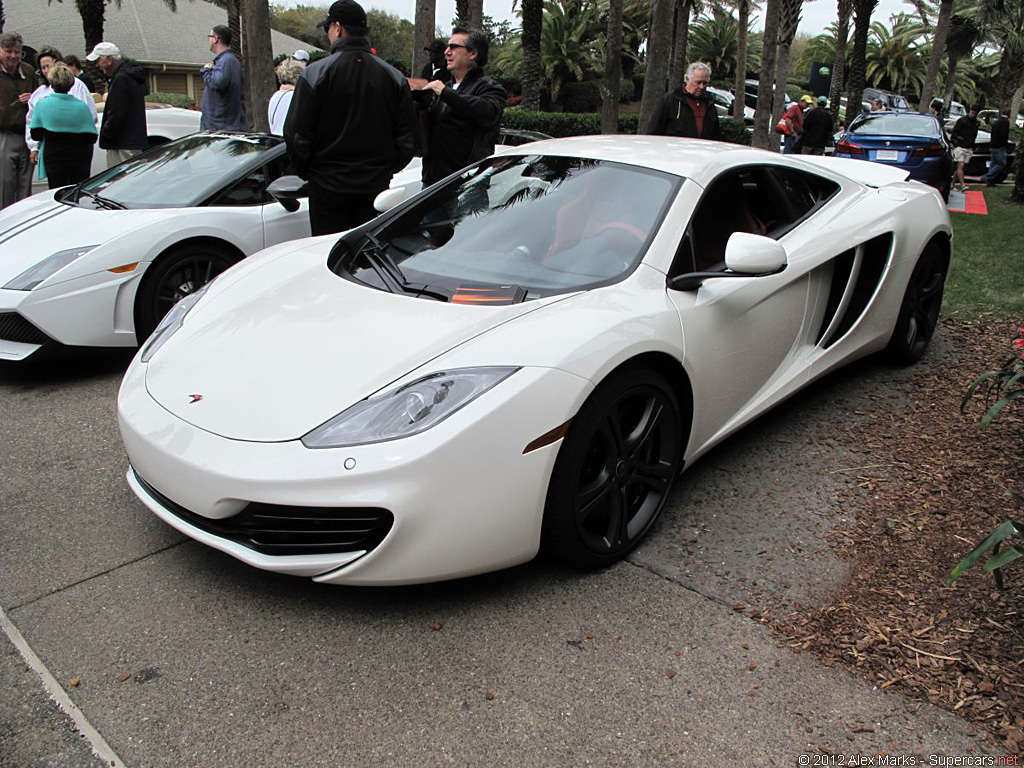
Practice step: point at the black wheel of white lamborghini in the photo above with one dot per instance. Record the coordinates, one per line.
(919, 312)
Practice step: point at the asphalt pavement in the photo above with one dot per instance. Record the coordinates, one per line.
(167, 653)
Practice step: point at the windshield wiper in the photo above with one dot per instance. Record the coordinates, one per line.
(101, 202)
(391, 274)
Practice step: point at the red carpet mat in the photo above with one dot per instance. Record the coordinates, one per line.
(971, 201)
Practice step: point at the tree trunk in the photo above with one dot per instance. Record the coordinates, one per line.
(789, 20)
(423, 35)
(476, 14)
(764, 133)
(1008, 80)
(947, 96)
(862, 10)
(461, 13)
(610, 86)
(1015, 104)
(835, 90)
(259, 57)
(533, 73)
(938, 50)
(235, 25)
(3, 17)
(680, 41)
(93, 14)
(659, 44)
(742, 42)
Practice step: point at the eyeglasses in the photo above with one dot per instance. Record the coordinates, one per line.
(453, 46)
(701, 82)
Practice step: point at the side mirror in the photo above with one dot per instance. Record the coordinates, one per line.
(754, 254)
(288, 190)
(746, 255)
(389, 198)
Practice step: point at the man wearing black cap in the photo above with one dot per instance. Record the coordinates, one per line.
(463, 116)
(437, 67)
(351, 125)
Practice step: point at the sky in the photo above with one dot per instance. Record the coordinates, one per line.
(817, 14)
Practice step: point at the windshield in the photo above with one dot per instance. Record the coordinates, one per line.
(891, 124)
(516, 228)
(175, 175)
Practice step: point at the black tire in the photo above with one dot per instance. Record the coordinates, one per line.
(946, 188)
(614, 471)
(919, 312)
(175, 275)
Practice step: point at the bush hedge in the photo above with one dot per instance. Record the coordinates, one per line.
(174, 99)
(560, 124)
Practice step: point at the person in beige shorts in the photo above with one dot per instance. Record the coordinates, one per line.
(963, 136)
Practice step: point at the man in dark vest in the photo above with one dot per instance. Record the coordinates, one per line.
(688, 111)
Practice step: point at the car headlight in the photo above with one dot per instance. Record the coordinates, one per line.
(407, 410)
(34, 275)
(170, 324)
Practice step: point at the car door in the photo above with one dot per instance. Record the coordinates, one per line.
(254, 208)
(742, 337)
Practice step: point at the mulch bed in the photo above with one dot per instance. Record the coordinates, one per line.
(931, 485)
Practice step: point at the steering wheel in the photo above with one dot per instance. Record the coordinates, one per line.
(621, 233)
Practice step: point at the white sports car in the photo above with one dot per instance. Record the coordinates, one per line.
(522, 357)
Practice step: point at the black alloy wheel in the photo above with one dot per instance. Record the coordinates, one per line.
(614, 470)
(919, 312)
(176, 275)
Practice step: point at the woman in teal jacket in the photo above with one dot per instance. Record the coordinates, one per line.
(67, 130)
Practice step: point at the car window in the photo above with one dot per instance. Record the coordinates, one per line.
(252, 190)
(805, 191)
(743, 200)
(545, 224)
(180, 173)
(895, 124)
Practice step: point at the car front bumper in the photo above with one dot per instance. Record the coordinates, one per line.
(464, 496)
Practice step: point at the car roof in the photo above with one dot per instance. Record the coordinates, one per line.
(697, 159)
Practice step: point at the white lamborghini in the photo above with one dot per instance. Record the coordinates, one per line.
(522, 357)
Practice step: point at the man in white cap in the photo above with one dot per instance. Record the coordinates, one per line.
(301, 55)
(123, 130)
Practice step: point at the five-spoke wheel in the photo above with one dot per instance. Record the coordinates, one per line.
(919, 312)
(614, 471)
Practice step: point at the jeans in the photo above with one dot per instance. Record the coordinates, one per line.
(996, 166)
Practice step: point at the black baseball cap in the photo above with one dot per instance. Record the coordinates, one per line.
(437, 46)
(348, 13)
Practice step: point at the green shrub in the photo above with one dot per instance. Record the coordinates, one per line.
(626, 91)
(174, 99)
(734, 131)
(582, 97)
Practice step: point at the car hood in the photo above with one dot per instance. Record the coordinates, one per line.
(288, 345)
(38, 227)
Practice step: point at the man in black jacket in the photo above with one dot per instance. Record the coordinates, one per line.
(464, 115)
(998, 143)
(123, 130)
(350, 126)
(688, 111)
(818, 129)
(963, 136)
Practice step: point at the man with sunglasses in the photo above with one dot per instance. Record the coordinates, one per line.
(350, 126)
(464, 115)
(688, 111)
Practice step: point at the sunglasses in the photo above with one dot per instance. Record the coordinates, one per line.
(453, 46)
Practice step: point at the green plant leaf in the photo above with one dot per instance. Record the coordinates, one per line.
(998, 406)
(1005, 557)
(974, 388)
(1004, 531)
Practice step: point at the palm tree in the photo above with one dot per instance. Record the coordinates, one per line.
(258, 60)
(763, 129)
(938, 50)
(93, 13)
(964, 35)
(659, 53)
(423, 34)
(862, 10)
(715, 41)
(789, 20)
(845, 9)
(532, 72)
(680, 40)
(610, 86)
(894, 61)
(568, 46)
(743, 9)
(1003, 20)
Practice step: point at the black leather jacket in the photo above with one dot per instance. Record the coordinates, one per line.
(351, 124)
(675, 117)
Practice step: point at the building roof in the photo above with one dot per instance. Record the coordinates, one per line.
(145, 30)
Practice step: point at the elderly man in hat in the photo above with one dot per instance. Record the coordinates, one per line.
(351, 125)
(123, 130)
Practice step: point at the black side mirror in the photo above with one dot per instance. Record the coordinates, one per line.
(288, 190)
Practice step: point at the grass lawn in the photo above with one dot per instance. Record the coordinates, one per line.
(986, 277)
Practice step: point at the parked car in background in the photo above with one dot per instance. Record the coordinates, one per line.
(724, 101)
(909, 140)
(983, 154)
(891, 101)
(750, 94)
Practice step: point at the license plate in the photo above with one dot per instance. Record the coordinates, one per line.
(888, 154)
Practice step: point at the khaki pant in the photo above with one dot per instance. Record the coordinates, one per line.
(115, 156)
